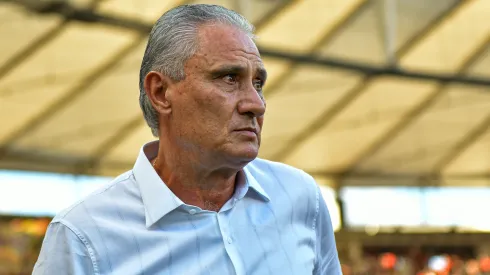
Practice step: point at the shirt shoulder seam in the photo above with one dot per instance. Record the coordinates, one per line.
(89, 248)
(307, 177)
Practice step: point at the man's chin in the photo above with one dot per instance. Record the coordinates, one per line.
(244, 154)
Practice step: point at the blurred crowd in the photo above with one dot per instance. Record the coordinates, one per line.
(21, 238)
(20, 242)
(391, 264)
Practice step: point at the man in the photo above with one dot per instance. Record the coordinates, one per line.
(198, 201)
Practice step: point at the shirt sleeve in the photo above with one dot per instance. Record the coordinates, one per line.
(63, 252)
(327, 259)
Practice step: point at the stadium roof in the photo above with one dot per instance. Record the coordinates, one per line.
(360, 92)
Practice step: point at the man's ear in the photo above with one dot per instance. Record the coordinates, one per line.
(156, 87)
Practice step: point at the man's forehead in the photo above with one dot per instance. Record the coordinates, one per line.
(226, 46)
(220, 39)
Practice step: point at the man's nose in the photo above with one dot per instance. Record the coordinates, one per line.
(252, 103)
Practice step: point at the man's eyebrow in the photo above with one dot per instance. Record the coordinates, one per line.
(227, 69)
(237, 69)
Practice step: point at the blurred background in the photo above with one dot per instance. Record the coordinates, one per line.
(385, 102)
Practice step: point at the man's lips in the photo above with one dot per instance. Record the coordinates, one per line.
(247, 129)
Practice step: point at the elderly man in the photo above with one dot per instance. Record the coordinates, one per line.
(198, 200)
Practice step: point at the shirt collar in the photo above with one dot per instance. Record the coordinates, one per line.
(254, 184)
(159, 200)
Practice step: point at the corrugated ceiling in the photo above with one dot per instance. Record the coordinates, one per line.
(69, 89)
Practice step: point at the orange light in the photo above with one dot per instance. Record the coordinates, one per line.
(388, 260)
(485, 264)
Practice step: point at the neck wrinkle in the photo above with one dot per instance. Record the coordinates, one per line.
(193, 183)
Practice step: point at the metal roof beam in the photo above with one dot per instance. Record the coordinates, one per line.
(377, 71)
(369, 179)
(61, 163)
(86, 15)
(48, 161)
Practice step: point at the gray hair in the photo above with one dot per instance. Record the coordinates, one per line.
(173, 40)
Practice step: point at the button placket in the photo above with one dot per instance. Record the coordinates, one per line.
(225, 232)
(231, 250)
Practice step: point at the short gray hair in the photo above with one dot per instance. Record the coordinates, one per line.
(173, 40)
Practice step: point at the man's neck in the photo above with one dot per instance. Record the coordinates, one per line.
(194, 184)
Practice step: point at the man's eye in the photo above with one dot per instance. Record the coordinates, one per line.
(258, 84)
(230, 78)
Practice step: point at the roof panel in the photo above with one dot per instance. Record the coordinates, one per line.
(447, 47)
(83, 3)
(361, 40)
(150, 10)
(415, 15)
(81, 127)
(383, 97)
(78, 48)
(144, 10)
(481, 68)
(21, 28)
(338, 144)
(300, 99)
(35, 100)
(128, 149)
(423, 143)
(229, 4)
(290, 31)
(253, 10)
(257, 10)
(333, 151)
(60, 65)
(275, 69)
(80, 142)
(475, 159)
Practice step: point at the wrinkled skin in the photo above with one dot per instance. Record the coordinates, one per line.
(210, 122)
(221, 94)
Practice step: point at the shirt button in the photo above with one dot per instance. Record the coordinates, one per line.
(192, 211)
(230, 240)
